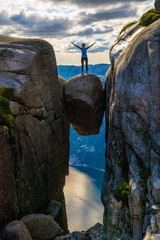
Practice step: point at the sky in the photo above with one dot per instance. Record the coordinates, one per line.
(61, 22)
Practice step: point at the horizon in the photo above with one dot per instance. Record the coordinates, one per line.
(61, 22)
(80, 65)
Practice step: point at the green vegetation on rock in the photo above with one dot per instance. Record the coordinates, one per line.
(7, 93)
(144, 174)
(122, 162)
(5, 115)
(149, 17)
(126, 27)
(146, 19)
(121, 192)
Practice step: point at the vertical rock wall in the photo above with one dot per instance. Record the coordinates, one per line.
(39, 139)
(131, 188)
(8, 193)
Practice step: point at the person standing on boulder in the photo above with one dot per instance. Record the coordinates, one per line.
(84, 57)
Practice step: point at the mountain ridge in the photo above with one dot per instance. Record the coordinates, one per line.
(69, 71)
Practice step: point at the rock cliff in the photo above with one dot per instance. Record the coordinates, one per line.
(131, 188)
(34, 154)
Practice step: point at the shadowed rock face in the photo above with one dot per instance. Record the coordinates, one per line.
(8, 197)
(133, 138)
(39, 138)
(84, 97)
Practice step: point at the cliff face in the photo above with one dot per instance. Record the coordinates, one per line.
(38, 143)
(131, 189)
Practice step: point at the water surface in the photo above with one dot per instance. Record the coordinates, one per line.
(82, 194)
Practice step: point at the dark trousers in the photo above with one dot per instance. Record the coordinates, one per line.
(84, 60)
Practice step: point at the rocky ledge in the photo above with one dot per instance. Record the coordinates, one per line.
(84, 97)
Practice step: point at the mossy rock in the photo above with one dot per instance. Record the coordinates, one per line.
(146, 19)
(149, 17)
(6, 53)
(5, 115)
(126, 27)
(123, 164)
(121, 192)
(7, 93)
(144, 174)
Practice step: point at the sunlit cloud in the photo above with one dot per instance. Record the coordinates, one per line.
(62, 21)
(89, 3)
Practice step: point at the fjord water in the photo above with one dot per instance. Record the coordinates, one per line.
(87, 162)
(82, 195)
(83, 185)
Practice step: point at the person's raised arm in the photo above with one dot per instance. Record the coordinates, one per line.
(91, 45)
(75, 45)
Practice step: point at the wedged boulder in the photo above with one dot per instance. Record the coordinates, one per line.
(42, 226)
(15, 230)
(84, 97)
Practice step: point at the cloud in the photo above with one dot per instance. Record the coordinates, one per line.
(98, 47)
(35, 25)
(90, 3)
(94, 50)
(90, 31)
(22, 19)
(61, 21)
(4, 19)
(122, 12)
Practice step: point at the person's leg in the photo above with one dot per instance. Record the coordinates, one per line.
(82, 62)
(87, 65)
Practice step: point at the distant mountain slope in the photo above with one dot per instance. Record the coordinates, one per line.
(86, 150)
(70, 71)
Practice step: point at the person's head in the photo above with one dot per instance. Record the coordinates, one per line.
(83, 45)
